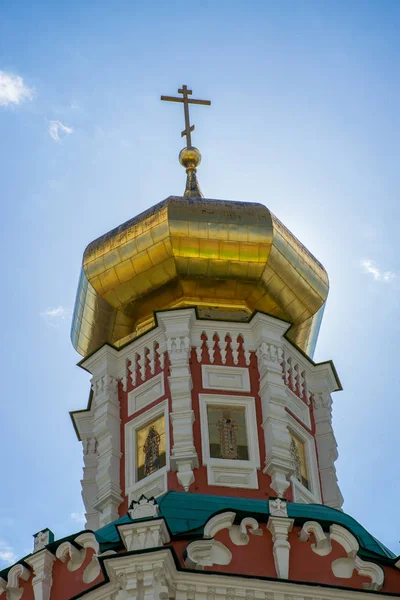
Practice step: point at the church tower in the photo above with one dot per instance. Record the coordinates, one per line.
(209, 454)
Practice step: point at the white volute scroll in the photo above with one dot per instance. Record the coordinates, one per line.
(322, 544)
(88, 540)
(12, 587)
(343, 568)
(177, 325)
(67, 552)
(208, 551)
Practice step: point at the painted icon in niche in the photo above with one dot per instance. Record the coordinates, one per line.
(299, 459)
(227, 432)
(150, 451)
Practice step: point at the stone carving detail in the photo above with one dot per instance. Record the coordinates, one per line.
(41, 539)
(208, 551)
(343, 568)
(11, 587)
(278, 508)
(89, 446)
(104, 384)
(143, 508)
(293, 374)
(269, 353)
(178, 347)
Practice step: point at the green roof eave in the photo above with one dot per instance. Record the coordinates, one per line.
(186, 514)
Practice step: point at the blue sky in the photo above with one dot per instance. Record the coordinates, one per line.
(304, 119)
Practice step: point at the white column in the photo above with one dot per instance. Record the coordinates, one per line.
(106, 430)
(326, 447)
(278, 461)
(176, 325)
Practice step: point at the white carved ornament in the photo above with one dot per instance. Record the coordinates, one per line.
(343, 568)
(12, 585)
(208, 551)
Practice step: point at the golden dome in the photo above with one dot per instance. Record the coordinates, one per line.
(226, 258)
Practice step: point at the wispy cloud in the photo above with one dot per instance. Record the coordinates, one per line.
(376, 272)
(13, 89)
(7, 554)
(53, 316)
(78, 517)
(58, 130)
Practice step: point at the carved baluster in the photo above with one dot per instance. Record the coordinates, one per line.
(210, 347)
(152, 359)
(133, 368)
(160, 348)
(223, 344)
(292, 374)
(307, 395)
(298, 384)
(142, 364)
(235, 350)
(199, 353)
(285, 369)
(300, 379)
(245, 343)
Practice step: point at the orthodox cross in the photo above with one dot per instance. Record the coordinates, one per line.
(186, 101)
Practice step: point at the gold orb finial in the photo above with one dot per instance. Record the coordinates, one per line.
(190, 158)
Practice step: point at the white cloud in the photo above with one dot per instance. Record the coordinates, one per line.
(7, 553)
(377, 273)
(13, 89)
(57, 129)
(78, 517)
(52, 316)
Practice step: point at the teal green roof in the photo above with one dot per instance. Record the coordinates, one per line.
(186, 514)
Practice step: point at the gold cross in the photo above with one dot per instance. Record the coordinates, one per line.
(186, 101)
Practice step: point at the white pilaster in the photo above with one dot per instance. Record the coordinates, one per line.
(106, 430)
(325, 441)
(89, 484)
(42, 565)
(268, 335)
(177, 325)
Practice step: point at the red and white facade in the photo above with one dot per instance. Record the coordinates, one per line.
(258, 542)
(179, 368)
